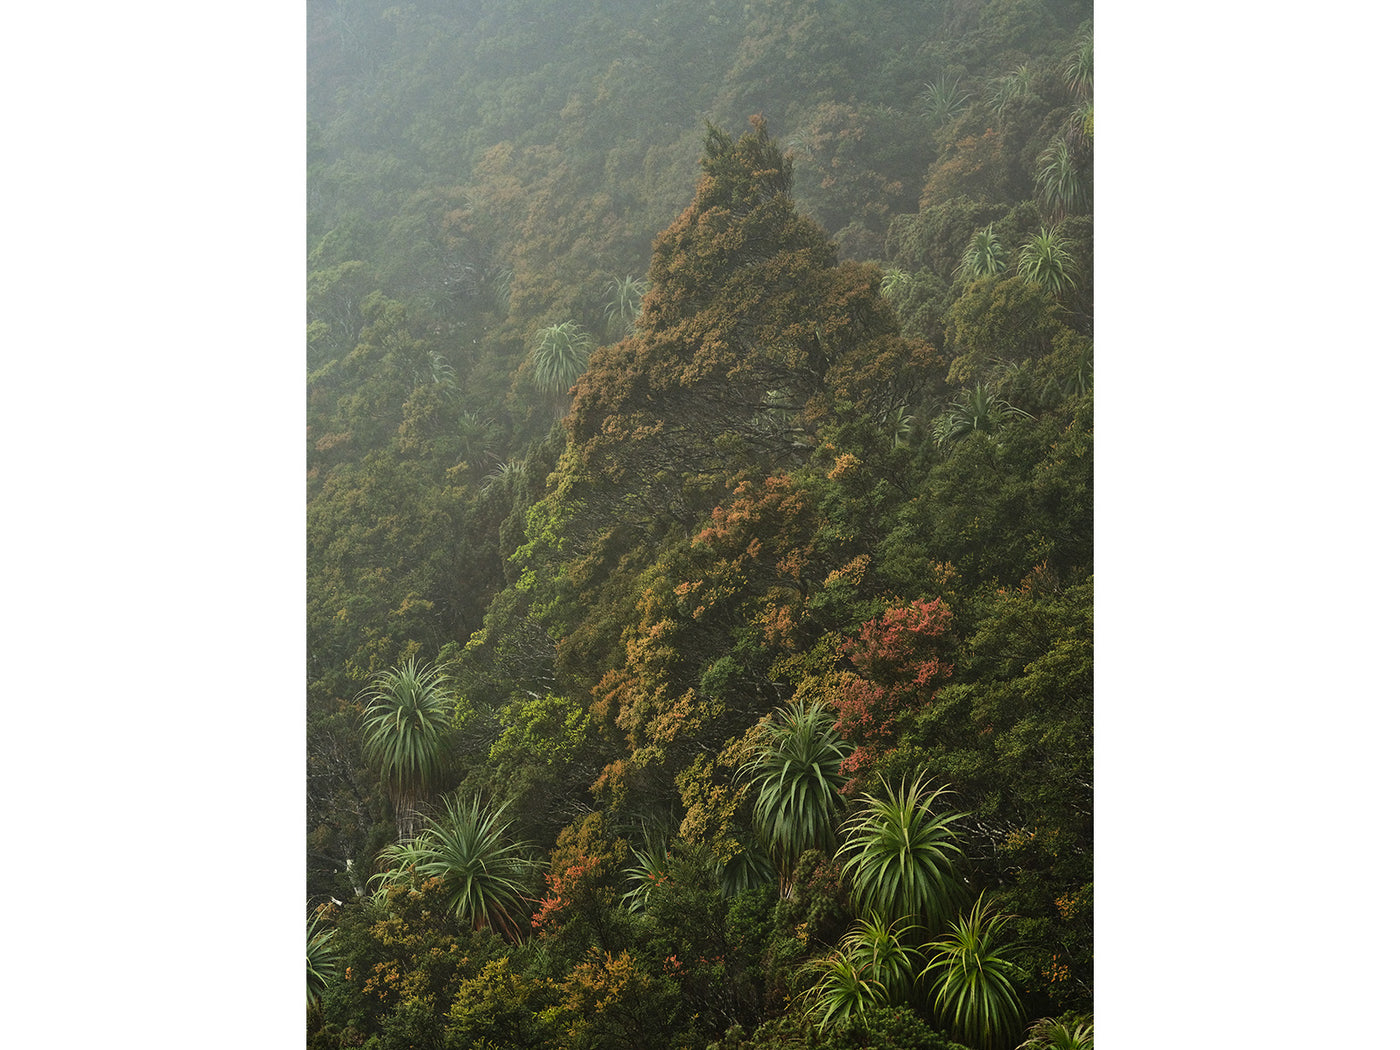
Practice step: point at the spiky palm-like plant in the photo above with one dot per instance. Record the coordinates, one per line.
(1051, 1034)
(504, 472)
(974, 977)
(651, 870)
(1079, 68)
(979, 409)
(881, 949)
(845, 989)
(439, 371)
(500, 279)
(802, 143)
(895, 281)
(398, 861)
(1009, 88)
(406, 723)
(1061, 180)
(941, 99)
(625, 304)
(484, 873)
(1079, 129)
(796, 774)
(479, 436)
(560, 356)
(321, 960)
(984, 255)
(744, 871)
(872, 967)
(901, 855)
(1045, 260)
(900, 422)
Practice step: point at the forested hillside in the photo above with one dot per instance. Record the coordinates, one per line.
(700, 524)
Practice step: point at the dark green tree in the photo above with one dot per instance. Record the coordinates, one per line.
(748, 313)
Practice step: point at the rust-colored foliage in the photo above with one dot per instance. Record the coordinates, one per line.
(610, 1000)
(763, 534)
(977, 166)
(748, 321)
(898, 669)
(581, 880)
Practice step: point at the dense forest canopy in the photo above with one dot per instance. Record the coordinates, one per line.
(700, 523)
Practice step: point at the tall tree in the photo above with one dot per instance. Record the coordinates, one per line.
(748, 315)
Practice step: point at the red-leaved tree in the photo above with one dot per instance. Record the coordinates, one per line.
(897, 671)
